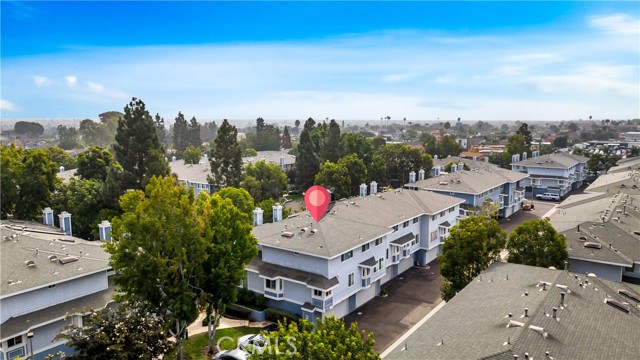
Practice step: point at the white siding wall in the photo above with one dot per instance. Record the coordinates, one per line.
(42, 298)
(295, 261)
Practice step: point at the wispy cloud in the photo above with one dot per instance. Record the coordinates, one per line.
(41, 81)
(72, 81)
(6, 105)
(95, 86)
(619, 24)
(19, 9)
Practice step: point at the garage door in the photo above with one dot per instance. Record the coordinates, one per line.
(365, 295)
(340, 309)
(404, 265)
(432, 254)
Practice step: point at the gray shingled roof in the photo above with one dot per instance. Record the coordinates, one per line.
(273, 271)
(470, 182)
(36, 243)
(270, 157)
(352, 222)
(561, 160)
(473, 325)
(404, 239)
(191, 172)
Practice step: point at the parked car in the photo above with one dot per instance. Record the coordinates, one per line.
(548, 196)
(235, 354)
(251, 343)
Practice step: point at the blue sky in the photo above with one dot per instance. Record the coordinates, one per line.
(344, 60)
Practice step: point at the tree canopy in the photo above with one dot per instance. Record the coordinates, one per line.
(93, 163)
(28, 128)
(537, 243)
(473, 244)
(126, 332)
(240, 199)
(307, 161)
(192, 154)
(81, 198)
(330, 339)
(264, 181)
(334, 177)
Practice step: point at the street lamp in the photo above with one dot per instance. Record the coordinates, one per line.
(30, 337)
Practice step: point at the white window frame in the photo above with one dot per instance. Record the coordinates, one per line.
(433, 236)
(351, 279)
(366, 247)
(346, 256)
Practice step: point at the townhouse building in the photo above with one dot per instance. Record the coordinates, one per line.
(49, 279)
(557, 173)
(484, 182)
(601, 227)
(333, 266)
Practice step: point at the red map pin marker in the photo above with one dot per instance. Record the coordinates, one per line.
(317, 199)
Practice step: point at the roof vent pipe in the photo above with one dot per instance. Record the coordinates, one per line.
(526, 312)
(562, 295)
(555, 312)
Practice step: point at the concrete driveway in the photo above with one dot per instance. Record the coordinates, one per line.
(412, 295)
(541, 207)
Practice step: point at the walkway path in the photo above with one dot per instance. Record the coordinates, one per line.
(197, 328)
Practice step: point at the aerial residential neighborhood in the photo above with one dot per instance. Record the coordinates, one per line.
(319, 180)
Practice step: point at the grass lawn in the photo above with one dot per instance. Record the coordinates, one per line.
(195, 345)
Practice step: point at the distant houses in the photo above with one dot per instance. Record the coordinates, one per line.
(333, 266)
(557, 173)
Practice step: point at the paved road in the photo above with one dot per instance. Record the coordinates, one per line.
(412, 295)
(540, 209)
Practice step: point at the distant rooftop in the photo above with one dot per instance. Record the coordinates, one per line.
(476, 181)
(561, 160)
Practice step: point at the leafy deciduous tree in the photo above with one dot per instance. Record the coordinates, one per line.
(82, 199)
(240, 199)
(28, 128)
(472, 245)
(94, 163)
(357, 172)
(192, 154)
(36, 184)
(537, 243)
(264, 181)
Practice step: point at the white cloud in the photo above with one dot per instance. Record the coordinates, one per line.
(72, 81)
(41, 80)
(95, 86)
(400, 77)
(619, 24)
(7, 105)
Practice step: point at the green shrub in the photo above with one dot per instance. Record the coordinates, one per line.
(276, 315)
(251, 300)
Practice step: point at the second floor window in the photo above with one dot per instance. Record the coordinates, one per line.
(434, 235)
(365, 247)
(405, 224)
(317, 293)
(395, 228)
(352, 279)
(378, 241)
(270, 284)
(415, 220)
(346, 256)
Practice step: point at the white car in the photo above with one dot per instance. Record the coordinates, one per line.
(251, 343)
(235, 354)
(548, 196)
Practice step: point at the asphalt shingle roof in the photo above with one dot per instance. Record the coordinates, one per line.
(471, 182)
(351, 222)
(473, 325)
(557, 160)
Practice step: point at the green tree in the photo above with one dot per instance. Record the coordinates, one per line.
(28, 128)
(230, 247)
(573, 127)
(208, 131)
(267, 136)
(286, 138)
(307, 162)
(429, 143)
(378, 142)
(447, 126)
(110, 120)
(355, 143)
(125, 332)
(400, 160)
(329, 339)
(112, 187)
(537, 243)
(448, 146)
(192, 155)
(94, 163)
(36, 184)
(377, 171)
(297, 123)
(357, 172)
(160, 233)
(136, 139)
(447, 167)
(193, 133)
(560, 142)
(472, 245)
(11, 174)
(334, 177)
(516, 144)
(240, 199)
(95, 133)
(161, 130)
(82, 199)
(180, 134)
(264, 181)
(526, 134)
(249, 152)
(330, 149)
(69, 137)
(226, 157)
(62, 158)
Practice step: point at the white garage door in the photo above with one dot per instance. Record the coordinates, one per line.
(404, 265)
(365, 295)
(340, 310)
(432, 254)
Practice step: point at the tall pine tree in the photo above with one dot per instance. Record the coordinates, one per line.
(307, 162)
(226, 157)
(136, 139)
(286, 138)
(180, 134)
(194, 133)
(160, 129)
(330, 147)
